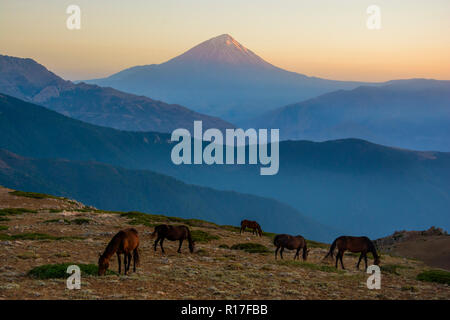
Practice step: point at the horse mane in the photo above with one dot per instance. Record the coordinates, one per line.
(113, 245)
(159, 228)
(333, 246)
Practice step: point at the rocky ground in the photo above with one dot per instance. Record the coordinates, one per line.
(211, 272)
(431, 246)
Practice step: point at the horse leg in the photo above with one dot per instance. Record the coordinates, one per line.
(297, 254)
(337, 258)
(129, 261)
(365, 260)
(340, 258)
(359, 261)
(118, 261)
(125, 264)
(161, 244)
(134, 260)
(156, 242)
(281, 252)
(276, 252)
(179, 248)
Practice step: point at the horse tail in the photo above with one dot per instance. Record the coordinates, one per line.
(154, 233)
(331, 252)
(372, 249)
(275, 240)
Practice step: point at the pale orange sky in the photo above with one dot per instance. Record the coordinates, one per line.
(326, 38)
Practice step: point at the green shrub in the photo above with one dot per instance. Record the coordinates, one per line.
(202, 236)
(231, 228)
(392, 268)
(408, 288)
(80, 221)
(34, 236)
(3, 228)
(308, 265)
(151, 220)
(439, 276)
(270, 235)
(56, 221)
(4, 219)
(15, 211)
(224, 246)
(55, 271)
(250, 247)
(33, 195)
(315, 244)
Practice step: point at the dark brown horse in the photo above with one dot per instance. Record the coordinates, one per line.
(124, 242)
(252, 225)
(172, 233)
(291, 243)
(353, 244)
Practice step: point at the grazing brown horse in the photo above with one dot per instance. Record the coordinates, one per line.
(252, 225)
(124, 242)
(291, 243)
(172, 233)
(353, 244)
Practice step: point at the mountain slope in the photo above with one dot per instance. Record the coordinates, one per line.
(413, 114)
(213, 271)
(353, 185)
(115, 188)
(30, 81)
(221, 77)
(431, 246)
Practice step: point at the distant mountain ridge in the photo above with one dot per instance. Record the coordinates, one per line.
(115, 188)
(30, 81)
(352, 185)
(223, 78)
(412, 114)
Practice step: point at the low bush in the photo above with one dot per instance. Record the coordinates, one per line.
(391, 268)
(202, 236)
(439, 276)
(15, 211)
(33, 195)
(34, 236)
(250, 247)
(59, 271)
(309, 265)
(80, 221)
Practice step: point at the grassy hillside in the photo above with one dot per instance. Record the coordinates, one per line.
(45, 237)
